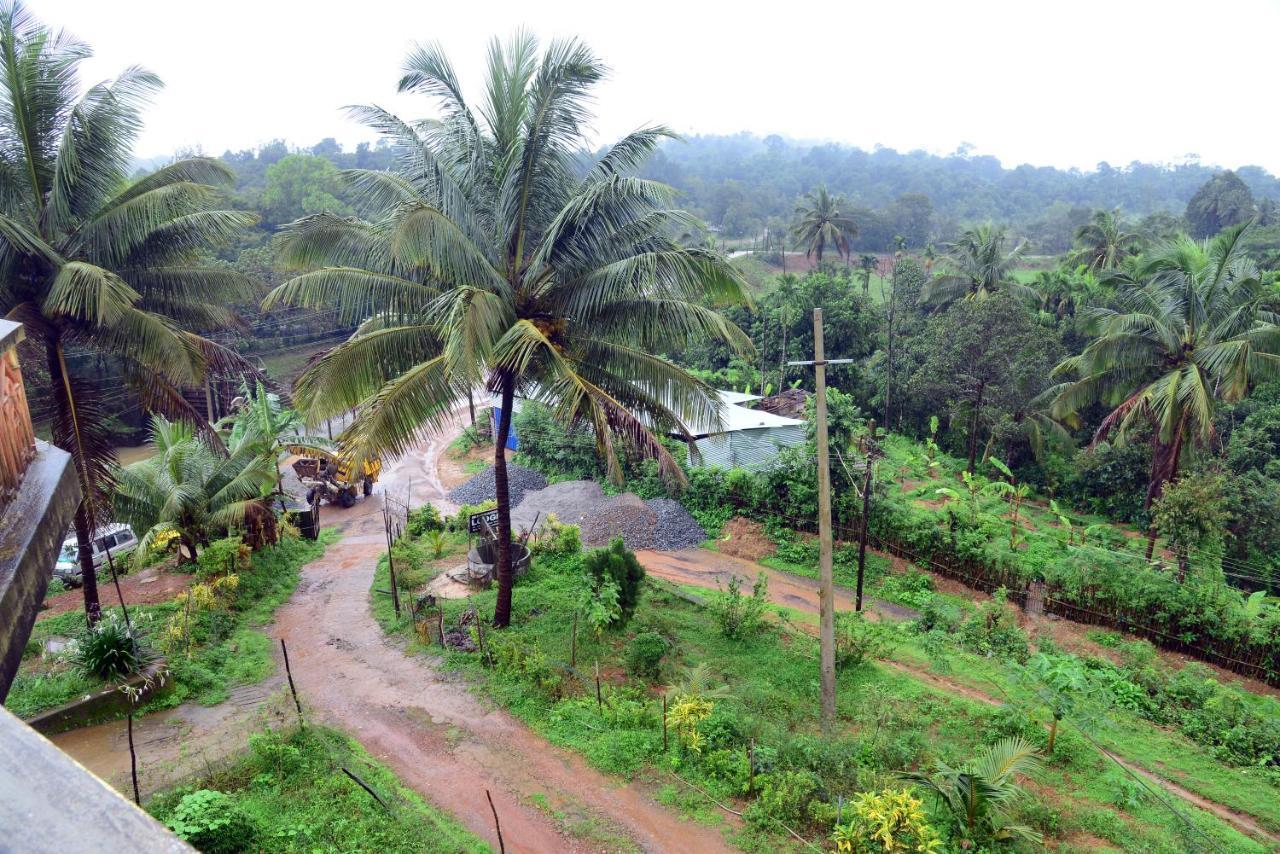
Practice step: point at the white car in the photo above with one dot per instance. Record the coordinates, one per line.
(113, 538)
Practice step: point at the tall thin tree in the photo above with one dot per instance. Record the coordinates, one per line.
(494, 262)
(91, 260)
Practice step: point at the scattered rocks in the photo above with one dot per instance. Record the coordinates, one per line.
(480, 488)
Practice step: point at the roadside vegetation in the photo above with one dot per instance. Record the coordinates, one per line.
(211, 635)
(741, 710)
(290, 793)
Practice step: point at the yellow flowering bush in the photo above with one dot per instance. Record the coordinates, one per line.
(891, 821)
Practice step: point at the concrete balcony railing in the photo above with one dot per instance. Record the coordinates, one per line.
(17, 439)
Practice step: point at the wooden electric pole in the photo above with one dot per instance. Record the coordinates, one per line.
(873, 451)
(826, 583)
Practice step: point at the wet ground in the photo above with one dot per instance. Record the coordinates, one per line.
(426, 724)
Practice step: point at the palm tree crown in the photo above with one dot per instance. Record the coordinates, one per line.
(1104, 243)
(1192, 328)
(978, 266)
(820, 223)
(494, 261)
(89, 259)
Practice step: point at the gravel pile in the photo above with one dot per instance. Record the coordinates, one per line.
(623, 516)
(520, 481)
(674, 528)
(660, 523)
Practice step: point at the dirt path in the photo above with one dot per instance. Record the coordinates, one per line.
(426, 724)
(141, 587)
(708, 569)
(712, 570)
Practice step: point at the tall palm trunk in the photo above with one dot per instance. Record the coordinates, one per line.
(502, 610)
(1165, 459)
(973, 426)
(67, 436)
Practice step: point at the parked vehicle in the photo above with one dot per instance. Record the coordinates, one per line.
(114, 538)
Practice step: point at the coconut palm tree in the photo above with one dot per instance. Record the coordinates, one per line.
(977, 266)
(978, 793)
(867, 263)
(191, 487)
(1192, 329)
(94, 261)
(495, 262)
(820, 223)
(1104, 243)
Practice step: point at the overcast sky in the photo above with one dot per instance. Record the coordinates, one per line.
(1046, 82)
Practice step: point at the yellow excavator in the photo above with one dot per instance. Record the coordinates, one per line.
(332, 477)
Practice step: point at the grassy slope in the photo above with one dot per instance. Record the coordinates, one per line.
(293, 788)
(889, 719)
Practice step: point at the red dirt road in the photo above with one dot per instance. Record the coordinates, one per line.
(426, 724)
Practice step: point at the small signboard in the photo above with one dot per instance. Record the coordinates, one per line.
(477, 522)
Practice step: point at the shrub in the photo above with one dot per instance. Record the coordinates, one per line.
(228, 556)
(411, 564)
(738, 615)
(937, 613)
(992, 630)
(644, 655)
(212, 822)
(784, 796)
(109, 651)
(557, 538)
(458, 521)
(616, 565)
(423, 519)
(892, 821)
(859, 640)
(56, 586)
(912, 588)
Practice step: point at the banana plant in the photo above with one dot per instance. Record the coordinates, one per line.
(1063, 520)
(973, 487)
(1015, 493)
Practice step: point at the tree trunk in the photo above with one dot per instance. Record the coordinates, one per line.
(66, 435)
(1053, 734)
(1164, 468)
(888, 375)
(502, 610)
(973, 426)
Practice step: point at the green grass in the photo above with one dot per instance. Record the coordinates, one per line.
(292, 787)
(229, 648)
(889, 720)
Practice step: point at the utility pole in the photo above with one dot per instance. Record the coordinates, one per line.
(873, 451)
(826, 584)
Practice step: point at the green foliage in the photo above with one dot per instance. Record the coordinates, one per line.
(548, 446)
(912, 588)
(741, 616)
(226, 556)
(301, 184)
(410, 558)
(557, 538)
(212, 822)
(979, 793)
(1222, 201)
(1192, 514)
(614, 579)
(289, 790)
(423, 520)
(784, 797)
(56, 588)
(992, 629)
(457, 523)
(644, 657)
(859, 640)
(890, 820)
(108, 650)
